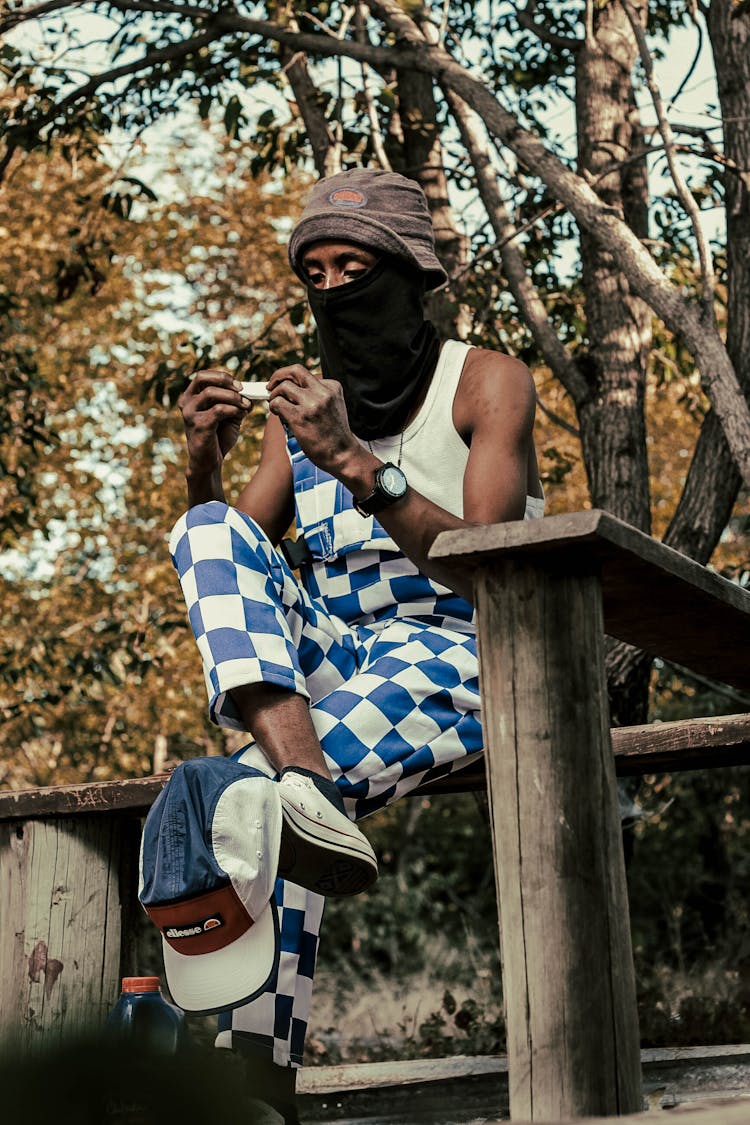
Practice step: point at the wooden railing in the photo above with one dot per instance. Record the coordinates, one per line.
(546, 593)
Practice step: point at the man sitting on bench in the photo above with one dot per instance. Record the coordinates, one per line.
(357, 680)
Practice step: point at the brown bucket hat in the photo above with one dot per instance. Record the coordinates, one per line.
(380, 210)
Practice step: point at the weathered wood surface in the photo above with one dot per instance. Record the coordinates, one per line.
(688, 744)
(653, 597)
(567, 967)
(462, 1090)
(407, 1072)
(60, 919)
(135, 795)
(718, 1112)
(403, 1072)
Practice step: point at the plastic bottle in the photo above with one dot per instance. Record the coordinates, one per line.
(145, 1020)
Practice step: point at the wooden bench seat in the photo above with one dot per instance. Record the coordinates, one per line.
(689, 744)
(653, 597)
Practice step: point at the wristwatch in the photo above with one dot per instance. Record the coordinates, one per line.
(390, 486)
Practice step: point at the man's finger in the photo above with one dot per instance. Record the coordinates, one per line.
(296, 373)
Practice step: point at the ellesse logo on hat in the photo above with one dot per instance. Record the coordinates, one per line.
(194, 928)
(347, 197)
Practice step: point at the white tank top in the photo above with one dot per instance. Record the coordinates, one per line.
(433, 455)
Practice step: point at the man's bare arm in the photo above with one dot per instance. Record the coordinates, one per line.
(495, 411)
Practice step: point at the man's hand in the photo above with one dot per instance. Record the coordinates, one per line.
(314, 410)
(212, 410)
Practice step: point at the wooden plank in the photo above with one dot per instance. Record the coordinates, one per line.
(135, 794)
(403, 1072)
(721, 1111)
(460, 1089)
(568, 979)
(60, 920)
(654, 597)
(343, 1077)
(686, 744)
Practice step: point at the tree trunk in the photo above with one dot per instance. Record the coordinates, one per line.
(710, 491)
(613, 431)
(612, 414)
(422, 158)
(729, 28)
(708, 496)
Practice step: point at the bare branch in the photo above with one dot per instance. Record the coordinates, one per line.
(398, 21)
(525, 17)
(326, 149)
(558, 421)
(372, 113)
(708, 280)
(693, 65)
(35, 12)
(531, 306)
(166, 7)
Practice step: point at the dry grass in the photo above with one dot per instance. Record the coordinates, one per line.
(452, 1007)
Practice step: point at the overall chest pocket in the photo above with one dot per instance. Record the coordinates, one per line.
(326, 516)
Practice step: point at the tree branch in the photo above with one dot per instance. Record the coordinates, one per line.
(708, 280)
(84, 93)
(525, 17)
(372, 113)
(166, 7)
(530, 304)
(696, 327)
(37, 11)
(707, 497)
(558, 421)
(326, 149)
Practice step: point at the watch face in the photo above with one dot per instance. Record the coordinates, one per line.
(393, 481)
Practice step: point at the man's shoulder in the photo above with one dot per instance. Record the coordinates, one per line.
(496, 368)
(490, 378)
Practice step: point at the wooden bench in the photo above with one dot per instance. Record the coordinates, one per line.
(547, 591)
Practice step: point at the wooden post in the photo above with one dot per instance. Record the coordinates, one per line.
(60, 919)
(573, 1046)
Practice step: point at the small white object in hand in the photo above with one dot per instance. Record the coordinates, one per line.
(258, 392)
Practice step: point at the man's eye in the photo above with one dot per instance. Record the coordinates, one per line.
(354, 272)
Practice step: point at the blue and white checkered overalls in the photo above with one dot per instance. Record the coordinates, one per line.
(386, 657)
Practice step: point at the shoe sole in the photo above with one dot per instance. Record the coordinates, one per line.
(336, 866)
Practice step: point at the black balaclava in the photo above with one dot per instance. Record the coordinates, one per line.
(375, 341)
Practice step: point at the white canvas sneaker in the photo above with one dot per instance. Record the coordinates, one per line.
(321, 849)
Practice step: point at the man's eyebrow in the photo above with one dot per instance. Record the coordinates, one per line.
(346, 255)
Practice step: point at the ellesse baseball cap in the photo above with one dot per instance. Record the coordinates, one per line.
(209, 858)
